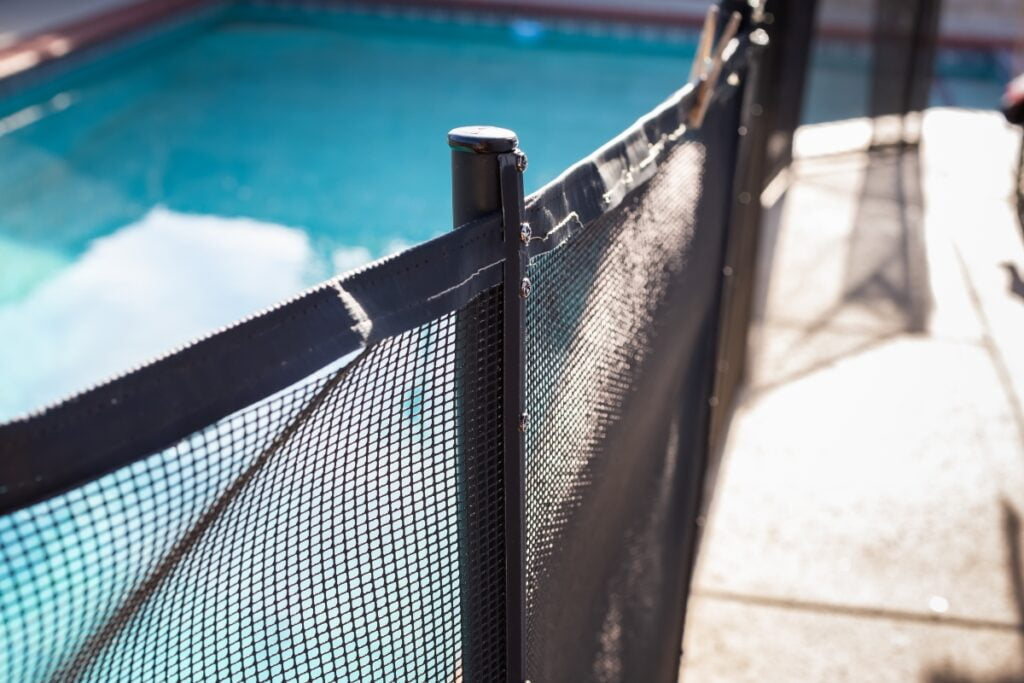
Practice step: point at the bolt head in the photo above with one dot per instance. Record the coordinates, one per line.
(525, 233)
(521, 161)
(525, 287)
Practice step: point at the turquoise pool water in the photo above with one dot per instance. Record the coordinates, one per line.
(158, 193)
(183, 185)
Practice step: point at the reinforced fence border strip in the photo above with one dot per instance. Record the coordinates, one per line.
(152, 407)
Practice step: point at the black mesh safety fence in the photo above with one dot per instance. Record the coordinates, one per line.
(904, 41)
(312, 536)
(773, 98)
(482, 459)
(621, 331)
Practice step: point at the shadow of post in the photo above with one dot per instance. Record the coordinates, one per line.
(1015, 567)
(1016, 284)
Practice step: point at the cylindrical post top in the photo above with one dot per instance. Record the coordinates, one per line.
(482, 140)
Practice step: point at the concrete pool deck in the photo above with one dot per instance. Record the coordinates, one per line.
(869, 514)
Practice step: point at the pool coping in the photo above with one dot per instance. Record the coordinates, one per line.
(64, 40)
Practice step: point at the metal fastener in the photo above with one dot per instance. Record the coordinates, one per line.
(525, 287)
(521, 160)
(525, 233)
(524, 422)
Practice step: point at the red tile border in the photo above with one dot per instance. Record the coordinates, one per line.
(64, 40)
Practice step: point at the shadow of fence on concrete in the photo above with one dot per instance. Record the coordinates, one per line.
(887, 270)
(884, 288)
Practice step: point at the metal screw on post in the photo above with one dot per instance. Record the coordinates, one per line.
(525, 233)
(521, 161)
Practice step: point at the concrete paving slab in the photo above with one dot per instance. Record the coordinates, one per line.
(879, 481)
(970, 161)
(867, 523)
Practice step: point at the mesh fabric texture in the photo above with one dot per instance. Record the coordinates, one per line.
(325, 533)
(353, 527)
(620, 347)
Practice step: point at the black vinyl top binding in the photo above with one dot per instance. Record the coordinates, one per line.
(153, 407)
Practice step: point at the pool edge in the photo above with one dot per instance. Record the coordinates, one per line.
(62, 41)
(65, 40)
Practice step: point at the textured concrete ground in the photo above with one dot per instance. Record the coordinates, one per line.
(867, 524)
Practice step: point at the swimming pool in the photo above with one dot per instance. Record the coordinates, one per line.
(243, 157)
(234, 158)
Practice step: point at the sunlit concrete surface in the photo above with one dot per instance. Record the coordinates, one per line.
(867, 522)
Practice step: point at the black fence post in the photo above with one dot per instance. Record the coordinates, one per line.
(487, 178)
(904, 40)
(783, 76)
(739, 238)
(780, 39)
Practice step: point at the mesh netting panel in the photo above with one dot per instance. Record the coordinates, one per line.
(619, 334)
(323, 534)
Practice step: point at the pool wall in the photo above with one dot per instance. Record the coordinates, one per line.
(86, 45)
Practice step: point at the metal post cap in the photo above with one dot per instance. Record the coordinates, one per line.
(482, 139)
